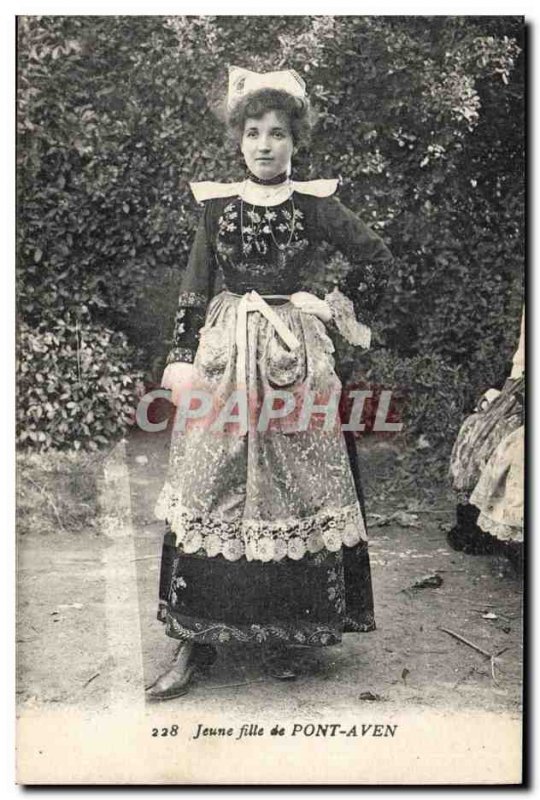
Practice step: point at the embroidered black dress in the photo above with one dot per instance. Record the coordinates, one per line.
(266, 536)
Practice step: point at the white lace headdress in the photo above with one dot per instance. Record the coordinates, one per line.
(244, 81)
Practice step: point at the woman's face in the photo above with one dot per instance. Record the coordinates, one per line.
(267, 144)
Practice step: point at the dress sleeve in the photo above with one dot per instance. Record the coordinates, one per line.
(195, 292)
(518, 362)
(369, 257)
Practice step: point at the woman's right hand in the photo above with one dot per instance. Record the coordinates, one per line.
(178, 377)
(311, 304)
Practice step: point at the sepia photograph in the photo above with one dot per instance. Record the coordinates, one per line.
(270, 399)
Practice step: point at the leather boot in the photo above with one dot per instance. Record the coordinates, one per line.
(189, 658)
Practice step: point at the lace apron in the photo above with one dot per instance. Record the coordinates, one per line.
(262, 494)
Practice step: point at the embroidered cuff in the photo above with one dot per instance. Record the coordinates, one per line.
(184, 354)
(192, 299)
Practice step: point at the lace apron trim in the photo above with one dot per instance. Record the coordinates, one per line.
(261, 540)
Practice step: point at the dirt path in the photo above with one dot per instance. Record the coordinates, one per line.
(63, 649)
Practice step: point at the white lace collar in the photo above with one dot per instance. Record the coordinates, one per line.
(260, 195)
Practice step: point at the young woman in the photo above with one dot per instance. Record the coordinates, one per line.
(266, 540)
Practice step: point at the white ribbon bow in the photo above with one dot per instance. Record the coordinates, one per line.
(253, 301)
(244, 81)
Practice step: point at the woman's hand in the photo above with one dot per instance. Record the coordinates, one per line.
(486, 399)
(311, 304)
(178, 377)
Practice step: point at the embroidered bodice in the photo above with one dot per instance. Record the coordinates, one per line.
(240, 246)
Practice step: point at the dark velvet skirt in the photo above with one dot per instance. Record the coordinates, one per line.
(312, 601)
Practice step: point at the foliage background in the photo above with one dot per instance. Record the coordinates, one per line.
(422, 117)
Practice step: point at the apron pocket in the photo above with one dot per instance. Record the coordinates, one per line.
(284, 367)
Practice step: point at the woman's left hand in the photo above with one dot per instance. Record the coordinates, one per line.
(486, 400)
(310, 304)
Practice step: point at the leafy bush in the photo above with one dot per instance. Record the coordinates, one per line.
(75, 386)
(428, 394)
(429, 397)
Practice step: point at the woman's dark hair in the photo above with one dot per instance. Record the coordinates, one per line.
(255, 104)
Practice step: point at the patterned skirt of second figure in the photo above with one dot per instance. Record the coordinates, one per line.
(267, 537)
(480, 435)
(499, 494)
